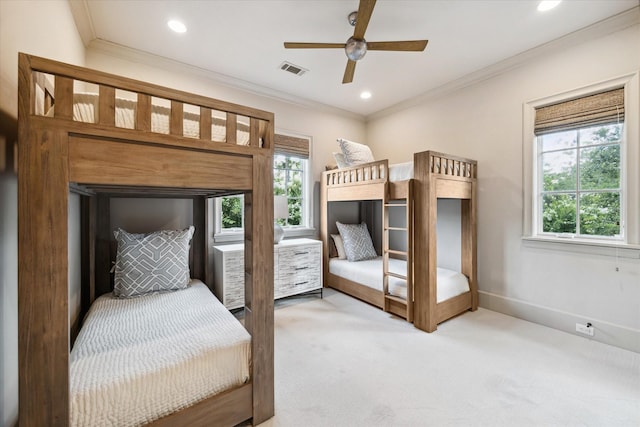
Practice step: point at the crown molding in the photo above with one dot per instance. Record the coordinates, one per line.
(602, 28)
(84, 24)
(139, 56)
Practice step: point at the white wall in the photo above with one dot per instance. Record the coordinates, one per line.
(25, 26)
(484, 122)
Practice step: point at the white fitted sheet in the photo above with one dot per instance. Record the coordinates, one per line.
(136, 360)
(400, 171)
(85, 107)
(369, 273)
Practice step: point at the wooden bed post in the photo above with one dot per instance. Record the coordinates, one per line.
(103, 245)
(88, 214)
(199, 241)
(425, 245)
(469, 236)
(43, 317)
(259, 285)
(324, 233)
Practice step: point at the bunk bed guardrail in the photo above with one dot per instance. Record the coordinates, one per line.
(55, 86)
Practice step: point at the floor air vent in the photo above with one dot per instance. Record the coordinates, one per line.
(293, 69)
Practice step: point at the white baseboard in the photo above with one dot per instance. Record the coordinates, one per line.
(605, 332)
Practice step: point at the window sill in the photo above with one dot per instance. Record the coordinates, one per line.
(613, 249)
(238, 236)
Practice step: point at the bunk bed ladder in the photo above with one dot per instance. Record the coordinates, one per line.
(392, 303)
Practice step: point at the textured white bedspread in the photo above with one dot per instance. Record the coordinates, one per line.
(369, 273)
(136, 360)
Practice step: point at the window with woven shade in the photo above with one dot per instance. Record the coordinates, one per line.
(580, 166)
(290, 179)
(581, 174)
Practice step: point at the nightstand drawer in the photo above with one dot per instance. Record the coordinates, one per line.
(299, 269)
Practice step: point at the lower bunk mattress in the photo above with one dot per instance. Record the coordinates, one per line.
(369, 273)
(137, 360)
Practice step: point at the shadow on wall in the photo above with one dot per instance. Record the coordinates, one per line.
(8, 272)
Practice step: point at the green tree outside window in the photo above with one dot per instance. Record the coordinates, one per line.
(580, 182)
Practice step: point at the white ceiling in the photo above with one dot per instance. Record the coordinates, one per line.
(243, 39)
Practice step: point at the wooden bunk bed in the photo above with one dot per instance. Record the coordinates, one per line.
(435, 175)
(100, 160)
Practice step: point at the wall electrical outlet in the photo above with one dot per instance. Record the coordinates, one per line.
(587, 329)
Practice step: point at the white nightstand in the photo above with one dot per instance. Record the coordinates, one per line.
(297, 269)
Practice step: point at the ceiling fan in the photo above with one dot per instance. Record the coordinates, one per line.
(356, 46)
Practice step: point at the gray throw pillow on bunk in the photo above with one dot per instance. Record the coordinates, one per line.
(152, 262)
(357, 241)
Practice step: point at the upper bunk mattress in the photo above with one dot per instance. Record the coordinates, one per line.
(369, 273)
(137, 360)
(401, 171)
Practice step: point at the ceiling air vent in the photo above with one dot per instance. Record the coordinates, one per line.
(293, 69)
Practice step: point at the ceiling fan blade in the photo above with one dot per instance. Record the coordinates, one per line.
(348, 72)
(407, 46)
(290, 45)
(362, 20)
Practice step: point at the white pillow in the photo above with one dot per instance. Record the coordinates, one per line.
(340, 160)
(357, 241)
(337, 240)
(355, 153)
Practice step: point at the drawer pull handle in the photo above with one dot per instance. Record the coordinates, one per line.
(301, 253)
(301, 283)
(301, 268)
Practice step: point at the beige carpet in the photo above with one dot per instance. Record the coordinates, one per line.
(341, 362)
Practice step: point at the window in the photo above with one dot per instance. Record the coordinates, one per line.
(290, 178)
(581, 152)
(231, 213)
(579, 182)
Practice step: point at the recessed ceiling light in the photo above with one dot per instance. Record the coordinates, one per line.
(365, 95)
(548, 5)
(177, 26)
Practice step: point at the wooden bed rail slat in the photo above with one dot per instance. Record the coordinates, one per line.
(107, 106)
(101, 78)
(143, 113)
(205, 123)
(64, 98)
(254, 130)
(176, 118)
(232, 128)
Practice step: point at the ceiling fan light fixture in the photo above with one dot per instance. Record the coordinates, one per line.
(355, 49)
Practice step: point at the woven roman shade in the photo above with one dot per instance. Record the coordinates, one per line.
(598, 109)
(291, 146)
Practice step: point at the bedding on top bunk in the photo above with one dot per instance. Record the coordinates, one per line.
(85, 108)
(354, 154)
(139, 359)
(369, 273)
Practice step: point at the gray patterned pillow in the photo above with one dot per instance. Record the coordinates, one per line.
(146, 263)
(357, 241)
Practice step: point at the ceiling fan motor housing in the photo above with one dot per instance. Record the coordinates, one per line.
(355, 49)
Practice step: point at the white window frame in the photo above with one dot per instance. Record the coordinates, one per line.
(306, 202)
(630, 174)
(289, 231)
